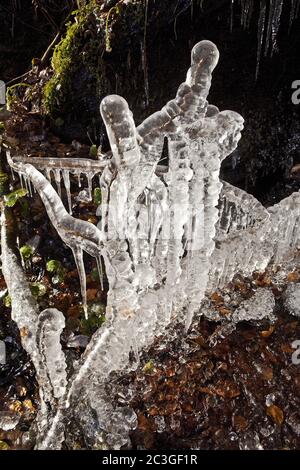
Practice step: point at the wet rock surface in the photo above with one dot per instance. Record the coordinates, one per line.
(292, 299)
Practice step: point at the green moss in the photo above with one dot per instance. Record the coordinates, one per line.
(4, 445)
(97, 198)
(115, 9)
(11, 198)
(96, 312)
(148, 367)
(7, 301)
(26, 252)
(93, 151)
(38, 289)
(59, 122)
(62, 61)
(11, 91)
(80, 54)
(55, 267)
(67, 57)
(4, 180)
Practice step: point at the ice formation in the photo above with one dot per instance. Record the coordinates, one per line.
(40, 332)
(8, 420)
(292, 299)
(259, 307)
(167, 234)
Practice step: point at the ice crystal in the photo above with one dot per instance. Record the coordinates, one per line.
(292, 299)
(167, 234)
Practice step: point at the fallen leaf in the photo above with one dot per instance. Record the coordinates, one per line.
(217, 298)
(275, 413)
(16, 406)
(239, 422)
(91, 294)
(28, 406)
(287, 348)
(24, 332)
(268, 332)
(293, 276)
(4, 446)
(224, 311)
(267, 372)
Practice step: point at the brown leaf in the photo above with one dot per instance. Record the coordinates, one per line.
(241, 287)
(91, 294)
(275, 413)
(240, 423)
(217, 298)
(264, 281)
(267, 372)
(74, 311)
(24, 332)
(224, 311)
(28, 406)
(268, 332)
(287, 348)
(225, 389)
(16, 406)
(293, 276)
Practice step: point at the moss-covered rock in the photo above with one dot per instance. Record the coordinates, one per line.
(105, 50)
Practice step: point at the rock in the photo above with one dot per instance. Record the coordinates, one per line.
(292, 299)
(79, 341)
(8, 420)
(260, 306)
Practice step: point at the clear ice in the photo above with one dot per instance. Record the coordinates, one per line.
(167, 233)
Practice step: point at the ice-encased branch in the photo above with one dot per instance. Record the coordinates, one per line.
(40, 332)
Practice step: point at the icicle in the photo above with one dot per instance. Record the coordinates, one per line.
(295, 7)
(231, 14)
(57, 176)
(27, 185)
(260, 34)
(268, 41)
(24, 307)
(66, 178)
(246, 12)
(145, 70)
(276, 24)
(100, 271)
(79, 235)
(89, 177)
(51, 322)
(48, 174)
(144, 56)
(12, 174)
(78, 256)
(79, 179)
(21, 180)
